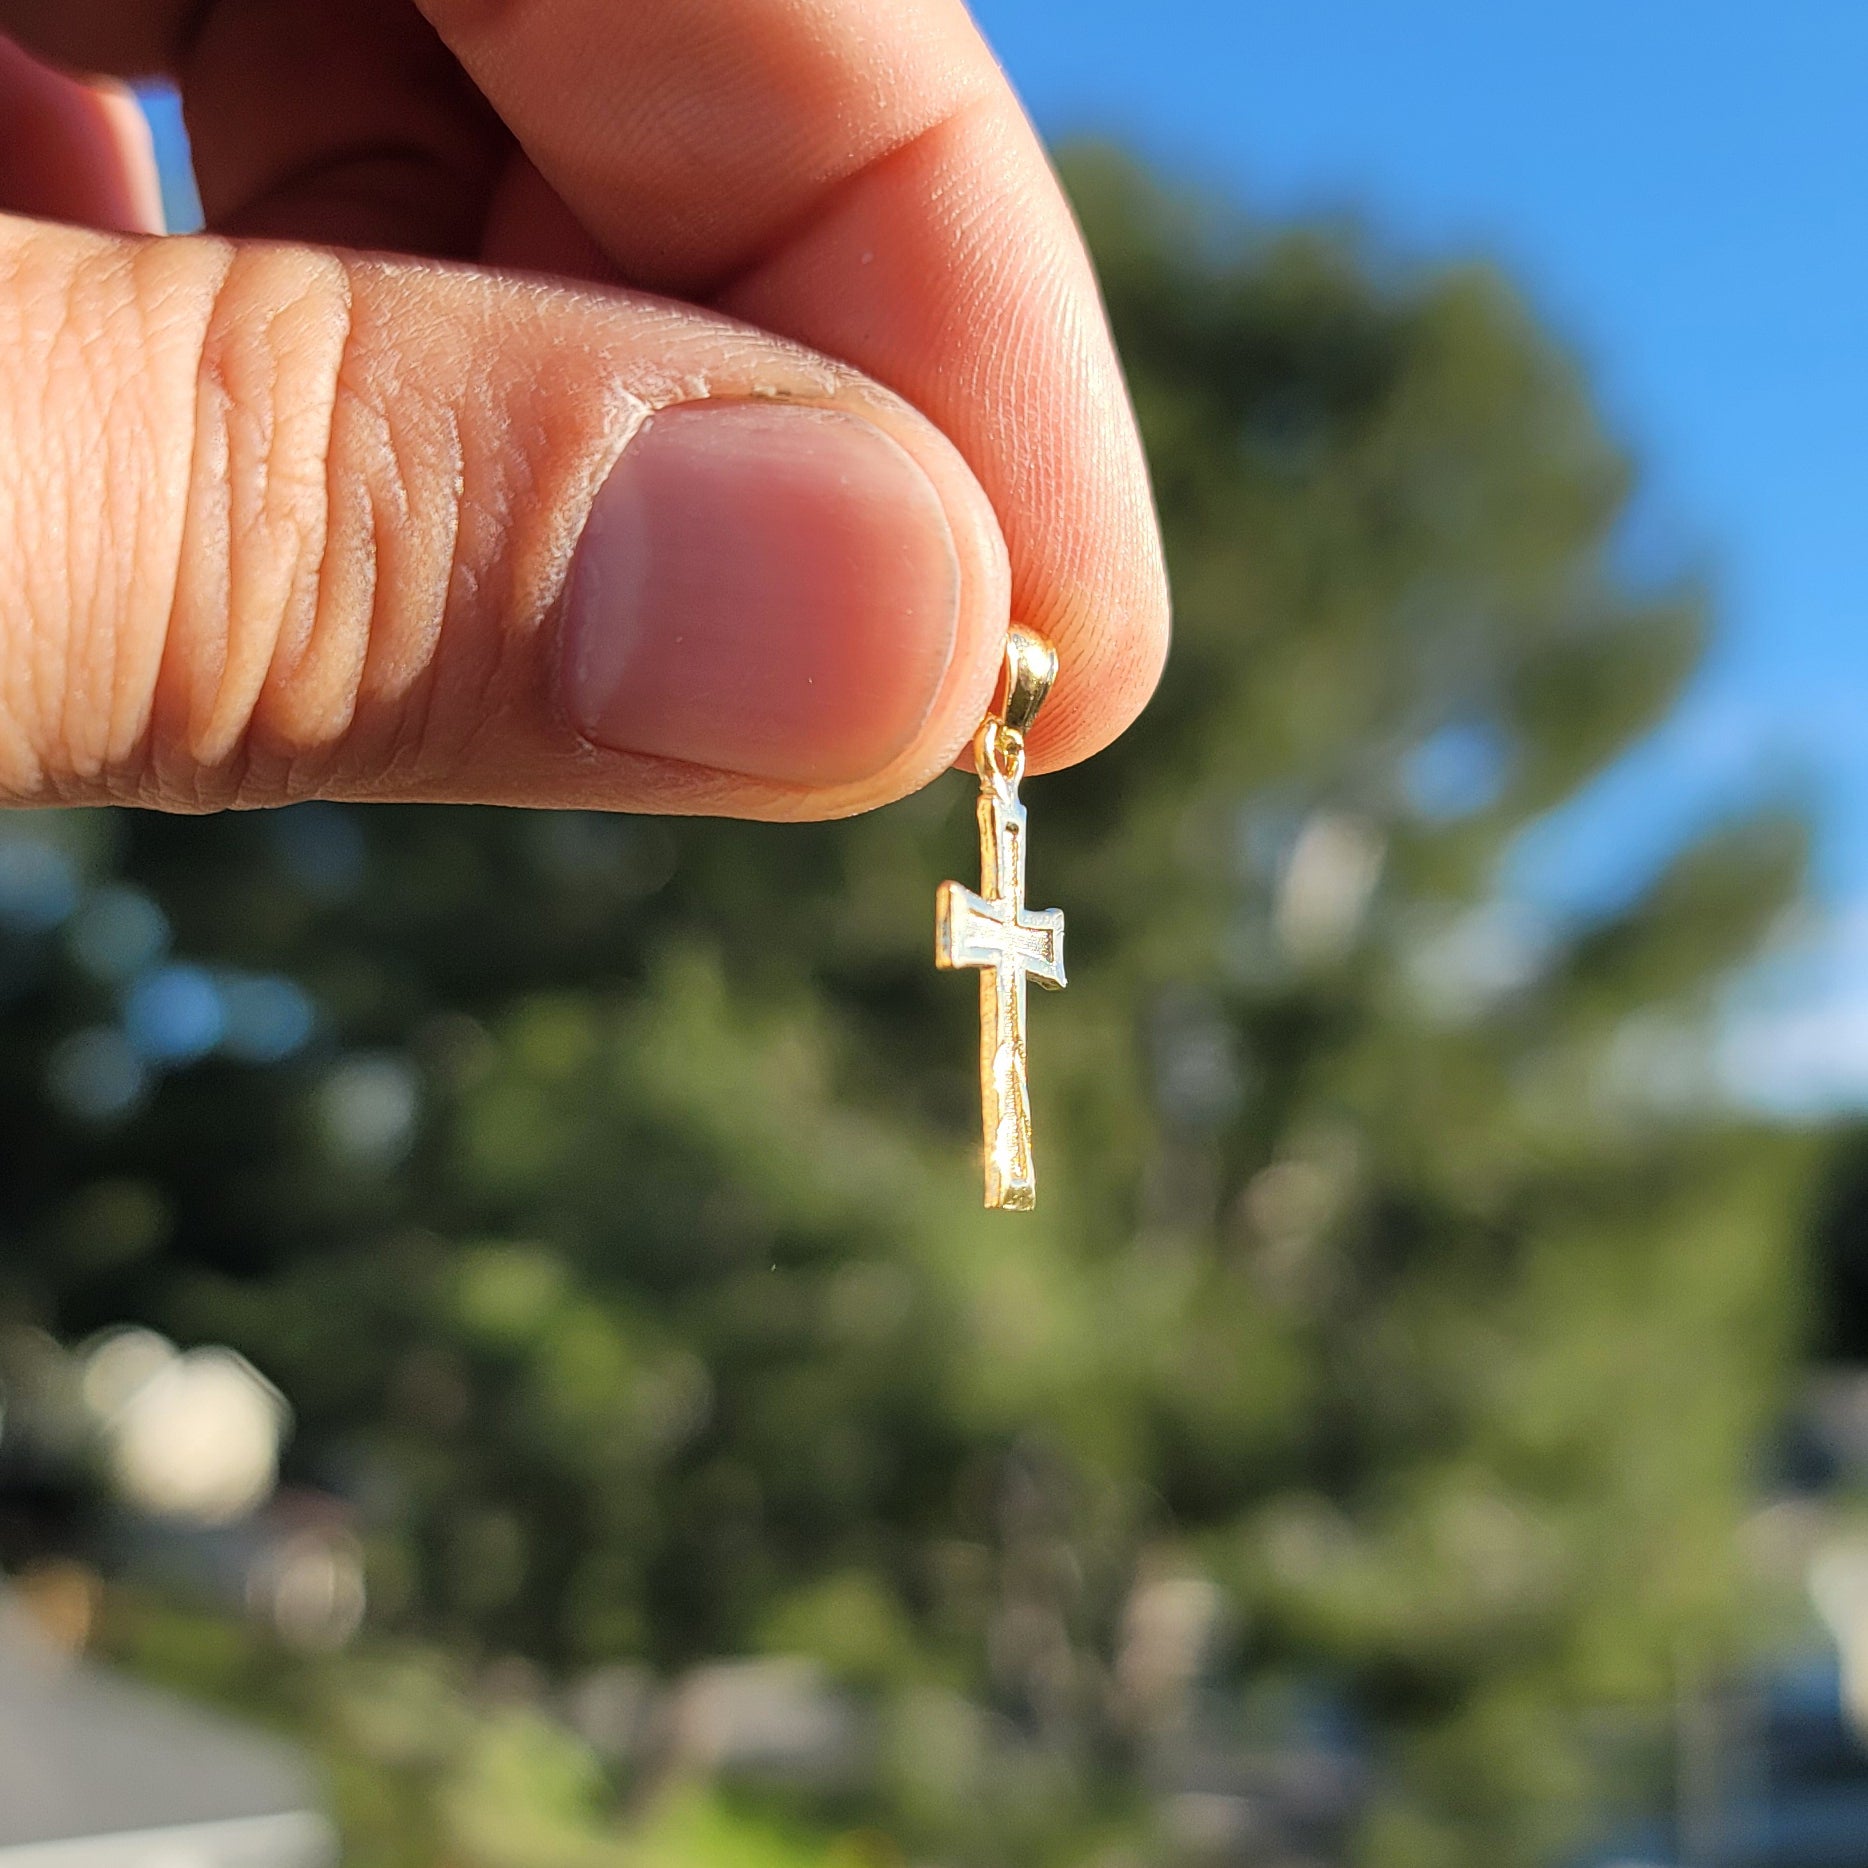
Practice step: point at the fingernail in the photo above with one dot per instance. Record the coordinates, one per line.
(764, 588)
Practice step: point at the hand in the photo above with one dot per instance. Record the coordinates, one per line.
(281, 520)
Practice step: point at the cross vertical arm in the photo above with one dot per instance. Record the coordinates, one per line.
(996, 933)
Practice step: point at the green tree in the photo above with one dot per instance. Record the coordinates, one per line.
(615, 1233)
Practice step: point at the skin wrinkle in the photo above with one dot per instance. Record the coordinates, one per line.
(206, 510)
(408, 451)
(63, 310)
(459, 590)
(92, 340)
(92, 727)
(68, 332)
(512, 650)
(395, 509)
(210, 742)
(76, 643)
(309, 696)
(268, 384)
(557, 546)
(137, 484)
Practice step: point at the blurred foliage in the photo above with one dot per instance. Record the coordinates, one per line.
(615, 1231)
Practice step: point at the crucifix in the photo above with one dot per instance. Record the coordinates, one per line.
(994, 930)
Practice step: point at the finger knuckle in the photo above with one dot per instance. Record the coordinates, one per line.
(260, 642)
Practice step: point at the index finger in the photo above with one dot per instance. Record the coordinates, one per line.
(862, 179)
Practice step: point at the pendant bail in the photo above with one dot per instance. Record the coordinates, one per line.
(1030, 669)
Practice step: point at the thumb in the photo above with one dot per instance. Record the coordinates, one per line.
(277, 522)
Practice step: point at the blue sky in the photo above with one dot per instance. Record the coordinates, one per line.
(1683, 190)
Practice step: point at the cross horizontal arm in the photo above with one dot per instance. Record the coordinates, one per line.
(971, 931)
(1040, 936)
(967, 928)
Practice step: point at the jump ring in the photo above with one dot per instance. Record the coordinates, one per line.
(999, 753)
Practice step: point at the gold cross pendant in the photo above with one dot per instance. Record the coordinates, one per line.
(996, 932)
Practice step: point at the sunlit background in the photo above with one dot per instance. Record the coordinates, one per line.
(499, 1363)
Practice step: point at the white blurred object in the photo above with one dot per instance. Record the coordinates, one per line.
(310, 1587)
(613, 1710)
(778, 1718)
(194, 1436)
(1329, 880)
(366, 1109)
(1838, 1585)
(118, 1363)
(1172, 1624)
